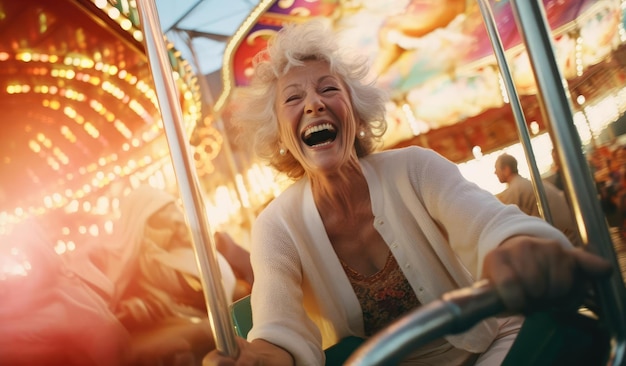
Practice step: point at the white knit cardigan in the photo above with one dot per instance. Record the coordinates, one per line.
(438, 225)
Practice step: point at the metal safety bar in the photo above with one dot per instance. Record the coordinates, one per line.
(555, 102)
(193, 203)
(516, 107)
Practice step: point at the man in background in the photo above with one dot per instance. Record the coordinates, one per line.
(556, 176)
(520, 192)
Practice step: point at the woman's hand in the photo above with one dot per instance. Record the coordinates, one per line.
(237, 256)
(533, 273)
(255, 353)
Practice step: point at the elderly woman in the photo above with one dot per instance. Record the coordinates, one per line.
(360, 238)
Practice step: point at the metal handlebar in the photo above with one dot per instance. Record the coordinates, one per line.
(455, 312)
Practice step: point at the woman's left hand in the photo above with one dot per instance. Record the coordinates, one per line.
(532, 273)
(170, 342)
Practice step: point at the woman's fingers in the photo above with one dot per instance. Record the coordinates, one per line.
(503, 276)
(592, 264)
(531, 273)
(216, 358)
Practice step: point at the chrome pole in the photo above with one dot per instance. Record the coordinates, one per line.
(516, 107)
(555, 100)
(187, 179)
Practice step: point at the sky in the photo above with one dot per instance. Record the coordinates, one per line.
(216, 19)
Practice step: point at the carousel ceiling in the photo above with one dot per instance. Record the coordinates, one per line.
(79, 108)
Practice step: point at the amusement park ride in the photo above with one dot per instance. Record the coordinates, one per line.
(96, 102)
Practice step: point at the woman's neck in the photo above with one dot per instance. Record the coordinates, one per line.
(342, 192)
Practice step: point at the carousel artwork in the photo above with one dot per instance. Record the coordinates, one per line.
(436, 62)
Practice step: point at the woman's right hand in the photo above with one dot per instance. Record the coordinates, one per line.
(533, 273)
(216, 358)
(255, 353)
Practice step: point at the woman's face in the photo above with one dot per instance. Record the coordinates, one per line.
(315, 117)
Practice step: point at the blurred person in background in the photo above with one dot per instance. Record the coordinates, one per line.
(520, 192)
(556, 175)
(133, 298)
(158, 294)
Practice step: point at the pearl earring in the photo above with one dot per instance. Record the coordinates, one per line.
(282, 151)
(361, 134)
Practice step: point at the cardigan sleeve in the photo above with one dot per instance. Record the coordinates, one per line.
(473, 219)
(278, 313)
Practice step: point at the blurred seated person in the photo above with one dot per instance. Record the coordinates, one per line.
(134, 298)
(157, 292)
(520, 192)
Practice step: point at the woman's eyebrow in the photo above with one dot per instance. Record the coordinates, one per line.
(319, 80)
(324, 77)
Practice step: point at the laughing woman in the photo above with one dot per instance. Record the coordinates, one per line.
(363, 237)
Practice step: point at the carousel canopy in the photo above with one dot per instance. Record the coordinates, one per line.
(79, 106)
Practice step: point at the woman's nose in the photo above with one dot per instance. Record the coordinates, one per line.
(314, 104)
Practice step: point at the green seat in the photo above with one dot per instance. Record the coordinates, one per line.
(241, 314)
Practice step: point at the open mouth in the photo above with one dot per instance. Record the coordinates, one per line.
(319, 135)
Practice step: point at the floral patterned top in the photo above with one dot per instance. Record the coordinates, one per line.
(384, 296)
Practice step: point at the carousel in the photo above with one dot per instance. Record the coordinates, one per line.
(446, 91)
(101, 101)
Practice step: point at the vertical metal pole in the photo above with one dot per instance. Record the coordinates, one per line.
(555, 102)
(516, 107)
(193, 202)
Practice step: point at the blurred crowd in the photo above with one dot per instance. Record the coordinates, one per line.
(608, 166)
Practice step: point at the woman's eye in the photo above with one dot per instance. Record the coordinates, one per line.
(329, 88)
(291, 98)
